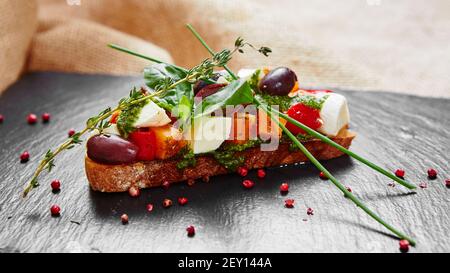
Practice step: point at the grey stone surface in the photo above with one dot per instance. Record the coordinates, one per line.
(393, 130)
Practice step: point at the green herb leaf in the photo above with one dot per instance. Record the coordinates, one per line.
(236, 93)
(160, 75)
(187, 158)
(184, 109)
(51, 162)
(265, 51)
(254, 80)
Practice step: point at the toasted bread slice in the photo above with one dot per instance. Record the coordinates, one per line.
(119, 178)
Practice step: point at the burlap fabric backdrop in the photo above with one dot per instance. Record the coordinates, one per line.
(401, 45)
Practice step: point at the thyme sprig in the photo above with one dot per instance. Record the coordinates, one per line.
(240, 44)
(100, 122)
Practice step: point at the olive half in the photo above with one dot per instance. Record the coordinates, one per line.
(278, 82)
(111, 149)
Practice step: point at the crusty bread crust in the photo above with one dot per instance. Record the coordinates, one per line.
(119, 178)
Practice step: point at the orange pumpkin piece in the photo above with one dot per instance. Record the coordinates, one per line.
(169, 141)
(248, 127)
(267, 128)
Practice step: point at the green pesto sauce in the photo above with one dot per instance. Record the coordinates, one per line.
(300, 137)
(285, 102)
(226, 155)
(127, 119)
(187, 158)
(311, 101)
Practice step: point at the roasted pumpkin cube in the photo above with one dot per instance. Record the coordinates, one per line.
(169, 141)
(267, 128)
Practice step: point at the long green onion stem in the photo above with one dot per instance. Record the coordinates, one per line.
(197, 35)
(319, 166)
(344, 150)
(314, 133)
(341, 187)
(128, 51)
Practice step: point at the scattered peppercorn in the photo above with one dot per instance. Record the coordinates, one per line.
(134, 192)
(2, 118)
(167, 203)
(149, 207)
(182, 201)
(432, 173)
(45, 117)
(55, 210)
(31, 119)
(261, 173)
(404, 245)
(24, 157)
(310, 211)
(400, 173)
(349, 189)
(190, 231)
(56, 185)
(289, 203)
(165, 185)
(242, 171)
(124, 218)
(323, 176)
(71, 132)
(248, 184)
(423, 185)
(447, 183)
(284, 187)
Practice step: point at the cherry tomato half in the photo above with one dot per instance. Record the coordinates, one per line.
(306, 115)
(146, 142)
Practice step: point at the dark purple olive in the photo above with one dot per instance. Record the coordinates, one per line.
(278, 82)
(202, 84)
(111, 149)
(209, 90)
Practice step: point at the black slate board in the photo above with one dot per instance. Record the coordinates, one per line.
(393, 130)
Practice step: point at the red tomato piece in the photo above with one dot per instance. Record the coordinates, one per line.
(303, 114)
(146, 141)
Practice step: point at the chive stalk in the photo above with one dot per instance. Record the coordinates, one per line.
(339, 185)
(134, 53)
(319, 166)
(197, 35)
(344, 150)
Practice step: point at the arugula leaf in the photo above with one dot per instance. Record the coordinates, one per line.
(183, 94)
(236, 93)
(184, 108)
(254, 80)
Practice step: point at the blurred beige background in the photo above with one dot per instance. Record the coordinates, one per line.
(397, 45)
